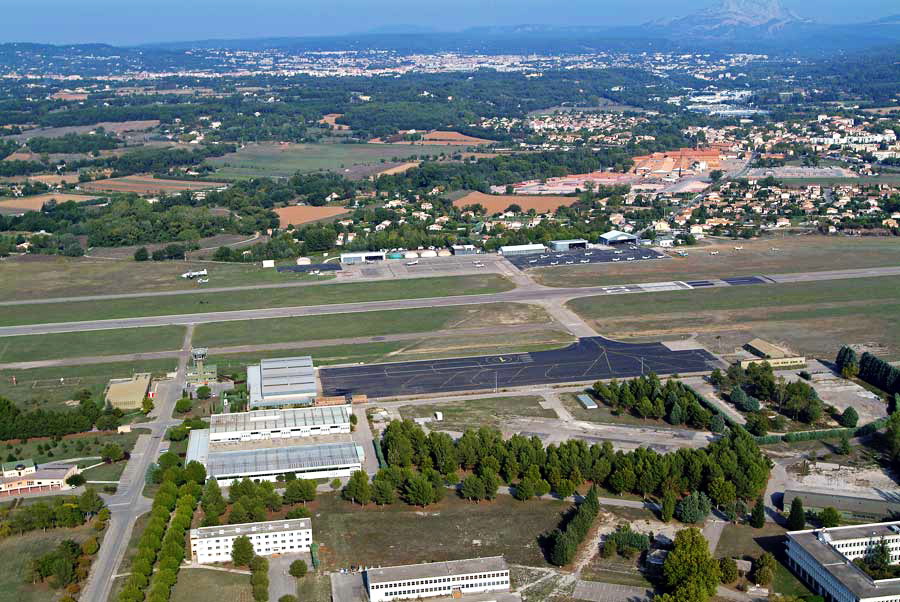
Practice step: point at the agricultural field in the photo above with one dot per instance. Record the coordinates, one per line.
(326, 294)
(449, 530)
(452, 138)
(794, 254)
(19, 550)
(304, 214)
(34, 203)
(284, 160)
(375, 323)
(90, 343)
(47, 276)
(813, 318)
(147, 184)
(497, 203)
(50, 388)
(113, 127)
(475, 413)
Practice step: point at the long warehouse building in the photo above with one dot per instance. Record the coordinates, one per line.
(453, 578)
(280, 424)
(229, 462)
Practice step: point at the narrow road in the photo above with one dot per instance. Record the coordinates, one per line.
(128, 503)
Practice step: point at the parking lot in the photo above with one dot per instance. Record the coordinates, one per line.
(584, 257)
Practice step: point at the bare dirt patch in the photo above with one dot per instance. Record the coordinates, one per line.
(147, 184)
(495, 203)
(34, 203)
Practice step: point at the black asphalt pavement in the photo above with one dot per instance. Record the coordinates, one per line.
(582, 256)
(589, 359)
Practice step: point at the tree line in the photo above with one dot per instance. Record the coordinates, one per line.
(16, 423)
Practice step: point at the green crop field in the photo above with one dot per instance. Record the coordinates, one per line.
(275, 160)
(325, 294)
(813, 318)
(374, 323)
(90, 343)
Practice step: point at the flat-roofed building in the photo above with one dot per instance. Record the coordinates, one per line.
(856, 507)
(287, 536)
(451, 578)
(510, 250)
(280, 424)
(21, 477)
(282, 382)
(363, 257)
(228, 462)
(823, 558)
(128, 393)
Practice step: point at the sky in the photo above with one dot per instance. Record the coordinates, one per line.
(126, 22)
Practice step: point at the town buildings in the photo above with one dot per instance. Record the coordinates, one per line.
(20, 477)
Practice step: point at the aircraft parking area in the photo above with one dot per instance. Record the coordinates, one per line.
(584, 256)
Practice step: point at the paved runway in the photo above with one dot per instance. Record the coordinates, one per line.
(589, 359)
(518, 295)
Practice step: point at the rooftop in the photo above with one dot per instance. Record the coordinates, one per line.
(17, 465)
(274, 526)
(282, 377)
(279, 419)
(768, 349)
(818, 544)
(437, 569)
(272, 459)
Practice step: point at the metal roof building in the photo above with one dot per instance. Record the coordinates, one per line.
(282, 382)
(853, 507)
(508, 250)
(315, 461)
(616, 237)
(273, 424)
(567, 245)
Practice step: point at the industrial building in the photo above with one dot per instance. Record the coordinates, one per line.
(24, 476)
(453, 578)
(562, 246)
(363, 257)
(280, 424)
(287, 536)
(852, 507)
(128, 393)
(228, 462)
(616, 237)
(282, 382)
(775, 356)
(823, 559)
(510, 250)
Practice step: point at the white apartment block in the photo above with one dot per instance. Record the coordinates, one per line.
(823, 558)
(453, 578)
(214, 544)
(280, 424)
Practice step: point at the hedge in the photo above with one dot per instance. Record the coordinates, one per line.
(862, 431)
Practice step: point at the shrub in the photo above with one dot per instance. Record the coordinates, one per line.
(728, 570)
(849, 418)
(298, 569)
(693, 508)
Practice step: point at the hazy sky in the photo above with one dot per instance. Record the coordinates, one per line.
(136, 21)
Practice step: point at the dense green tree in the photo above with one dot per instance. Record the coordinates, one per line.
(242, 551)
(758, 515)
(797, 517)
(298, 569)
(690, 567)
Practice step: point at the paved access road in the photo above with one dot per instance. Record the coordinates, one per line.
(589, 359)
(523, 294)
(128, 503)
